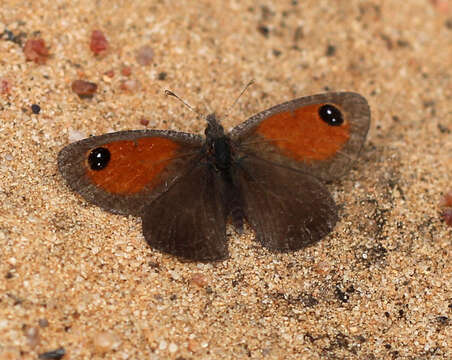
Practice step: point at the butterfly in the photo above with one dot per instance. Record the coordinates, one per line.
(268, 171)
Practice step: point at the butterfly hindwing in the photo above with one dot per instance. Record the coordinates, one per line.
(287, 209)
(189, 219)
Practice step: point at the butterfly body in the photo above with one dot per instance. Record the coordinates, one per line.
(268, 171)
(218, 145)
(223, 159)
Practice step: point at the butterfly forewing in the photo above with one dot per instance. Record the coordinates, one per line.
(299, 135)
(137, 166)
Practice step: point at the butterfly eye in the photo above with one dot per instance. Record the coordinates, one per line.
(331, 115)
(99, 158)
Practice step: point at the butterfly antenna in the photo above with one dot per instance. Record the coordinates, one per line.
(238, 97)
(170, 93)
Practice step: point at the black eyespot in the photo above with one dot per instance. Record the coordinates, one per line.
(99, 158)
(331, 115)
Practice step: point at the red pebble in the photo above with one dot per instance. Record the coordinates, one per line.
(199, 279)
(110, 73)
(5, 86)
(144, 55)
(144, 121)
(447, 216)
(84, 88)
(126, 71)
(36, 50)
(447, 200)
(99, 42)
(441, 5)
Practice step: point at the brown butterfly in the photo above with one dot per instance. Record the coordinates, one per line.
(268, 171)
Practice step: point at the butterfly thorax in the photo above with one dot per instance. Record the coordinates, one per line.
(218, 145)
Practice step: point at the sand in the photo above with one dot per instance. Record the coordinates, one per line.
(73, 276)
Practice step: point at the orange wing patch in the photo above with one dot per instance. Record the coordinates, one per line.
(302, 135)
(134, 164)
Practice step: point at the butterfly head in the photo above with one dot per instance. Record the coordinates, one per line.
(218, 146)
(214, 130)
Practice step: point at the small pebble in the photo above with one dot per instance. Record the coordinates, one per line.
(330, 50)
(75, 135)
(105, 341)
(32, 335)
(163, 345)
(126, 71)
(53, 355)
(36, 50)
(447, 216)
(322, 268)
(43, 323)
(446, 200)
(84, 88)
(193, 346)
(442, 6)
(199, 279)
(264, 30)
(131, 85)
(144, 55)
(110, 73)
(99, 42)
(144, 121)
(5, 86)
(35, 108)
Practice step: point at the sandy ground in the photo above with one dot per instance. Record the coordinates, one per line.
(73, 276)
